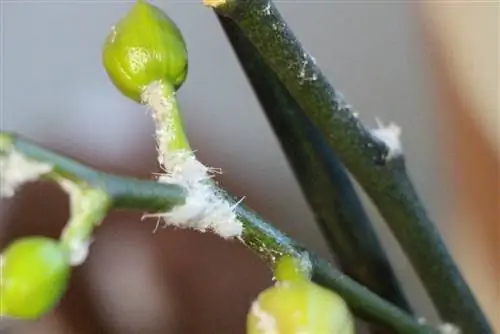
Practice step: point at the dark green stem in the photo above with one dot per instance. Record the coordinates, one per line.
(324, 181)
(271, 244)
(126, 193)
(267, 241)
(366, 157)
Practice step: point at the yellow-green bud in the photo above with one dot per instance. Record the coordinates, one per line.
(35, 272)
(299, 306)
(145, 46)
(296, 305)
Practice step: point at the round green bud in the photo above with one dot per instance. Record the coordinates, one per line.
(145, 46)
(299, 306)
(35, 272)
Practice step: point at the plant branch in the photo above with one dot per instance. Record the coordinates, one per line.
(268, 242)
(323, 179)
(259, 236)
(126, 193)
(374, 162)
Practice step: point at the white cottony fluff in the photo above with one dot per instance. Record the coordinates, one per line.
(161, 106)
(79, 251)
(267, 323)
(267, 9)
(16, 170)
(78, 248)
(448, 328)
(204, 208)
(390, 136)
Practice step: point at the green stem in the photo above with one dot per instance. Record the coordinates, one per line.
(126, 193)
(267, 241)
(171, 137)
(323, 179)
(366, 157)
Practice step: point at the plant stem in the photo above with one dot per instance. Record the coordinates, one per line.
(385, 180)
(271, 245)
(126, 193)
(268, 242)
(324, 181)
(170, 134)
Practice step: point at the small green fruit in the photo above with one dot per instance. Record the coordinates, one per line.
(35, 272)
(144, 47)
(299, 306)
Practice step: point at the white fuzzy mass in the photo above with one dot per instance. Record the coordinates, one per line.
(266, 322)
(390, 136)
(204, 208)
(448, 328)
(16, 170)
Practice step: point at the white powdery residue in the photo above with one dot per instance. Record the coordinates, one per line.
(266, 322)
(340, 101)
(16, 170)
(303, 69)
(302, 73)
(112, 35)
(79, 251)
(448, 328)
(204, 208)
(267, 9)
(390, 136)
(278, 27)
(305, 264)
(78, 248)
(161, 107)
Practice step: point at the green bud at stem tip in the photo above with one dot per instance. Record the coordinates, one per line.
(35, 273)
(145, 46)
(299, 307)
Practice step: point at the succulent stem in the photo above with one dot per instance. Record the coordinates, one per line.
(325, 183)
(373, 157)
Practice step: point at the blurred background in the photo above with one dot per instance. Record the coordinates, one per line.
(429, 66)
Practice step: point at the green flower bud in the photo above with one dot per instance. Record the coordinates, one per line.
(35, 272)
(144, 47)
(299, 306)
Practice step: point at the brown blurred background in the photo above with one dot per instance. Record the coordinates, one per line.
(430, 66)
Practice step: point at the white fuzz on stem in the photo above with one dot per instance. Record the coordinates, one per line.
(390, 136)
(79, 251)
(204, 209)
(16, 170)
(305, 264)
(266, 322)
(448, 328)
(78, 247)
(161, 110)
(88, 207)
